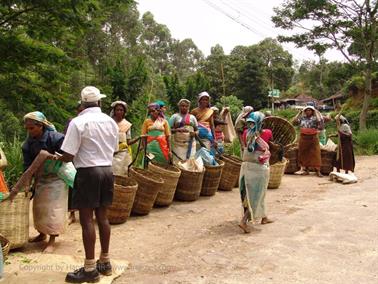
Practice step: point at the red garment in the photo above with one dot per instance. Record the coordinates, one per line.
(219, 136)
(266, 135)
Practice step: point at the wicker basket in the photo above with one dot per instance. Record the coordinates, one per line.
(149, 185)
(125, 189)
(231, 172)
(211, 179)
(189, 185)
(291, 154)
(14, 220)
(276, 172)
(5, 246)
(283, 131)
(170, 175)
(328, 161)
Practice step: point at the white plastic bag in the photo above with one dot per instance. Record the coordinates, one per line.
(121, 161)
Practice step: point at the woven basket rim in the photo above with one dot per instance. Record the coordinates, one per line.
(168, 169)
(153, 177)
(129, 180)
(232, 159)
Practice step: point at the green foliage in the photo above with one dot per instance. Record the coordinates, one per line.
(233, 103)
(233, 148)
(367, 142)
(12, 150)
(288, 114)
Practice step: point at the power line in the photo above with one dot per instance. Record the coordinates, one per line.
(219, 9)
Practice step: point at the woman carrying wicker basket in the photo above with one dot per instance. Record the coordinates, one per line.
(309, 121)
(254, 174)
(184, 127)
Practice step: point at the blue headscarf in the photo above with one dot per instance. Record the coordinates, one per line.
(40, 117)
(257, 118)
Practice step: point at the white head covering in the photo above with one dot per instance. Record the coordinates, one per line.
(203, 94)
(183, 101)
(245, 111)
(114, 104)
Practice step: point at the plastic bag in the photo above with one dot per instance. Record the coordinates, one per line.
(192, 165)
(121, 161)
(67, 173)
(206, 156)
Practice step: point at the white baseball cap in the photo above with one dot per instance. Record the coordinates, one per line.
(91, 94)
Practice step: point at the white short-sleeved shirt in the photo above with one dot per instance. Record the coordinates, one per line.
(92, 138)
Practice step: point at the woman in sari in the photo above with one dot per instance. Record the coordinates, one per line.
(345, 154)
(156, 130)
(204, 115)
(184, 127)
(50, 192)
(309, 121)
(122, 158)
(254, 174)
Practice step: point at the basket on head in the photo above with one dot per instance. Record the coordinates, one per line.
(125, 189)
(14, 220)
(189, 185)
(328, 159)
(5, 246)
(283, 131)
(170, 175)
(212, 178)
(230, 173)
(291, 154)
(149, 184)
(276, 172)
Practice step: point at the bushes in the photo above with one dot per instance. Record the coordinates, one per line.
(13, 152)
(366, 142)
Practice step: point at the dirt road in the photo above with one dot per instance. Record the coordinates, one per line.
(324, 232)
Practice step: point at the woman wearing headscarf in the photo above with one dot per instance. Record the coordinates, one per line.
(204, 115)
(345, 154)
(184, 127)
(122, 158)
(241, 126)
(156, 130)
(50, 192)
(310, 122)
(254, 174)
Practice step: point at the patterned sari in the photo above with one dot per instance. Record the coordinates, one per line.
(157, 132)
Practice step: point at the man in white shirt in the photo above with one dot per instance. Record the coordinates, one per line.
(90, 142)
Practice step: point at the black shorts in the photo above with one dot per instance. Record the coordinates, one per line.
(93, 188)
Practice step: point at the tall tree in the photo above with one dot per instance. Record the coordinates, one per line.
(340, 24)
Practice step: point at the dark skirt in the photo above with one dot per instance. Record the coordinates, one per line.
(309, 151)
(345, 157)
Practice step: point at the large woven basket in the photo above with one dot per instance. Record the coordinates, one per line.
(211, 179)
(125, 189)
(283, 131)
(14, 220)
(5, 246)
(149, 184)
(328, 161)
(230, 173)
(291, 154)
(170, 175)
(276, 172)
(189, 185)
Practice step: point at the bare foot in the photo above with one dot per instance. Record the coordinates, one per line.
(319, 174)
(72, 218)
(50, 245)
(245, 228)
(41, 237)
(265, 220)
